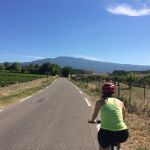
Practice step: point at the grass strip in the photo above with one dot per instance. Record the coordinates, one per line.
(12, 98)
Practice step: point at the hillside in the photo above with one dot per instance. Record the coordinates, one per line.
(95, 66)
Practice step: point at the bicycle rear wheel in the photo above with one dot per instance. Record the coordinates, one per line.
(112, 148)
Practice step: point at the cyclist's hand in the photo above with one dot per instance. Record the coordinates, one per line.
(91, 121)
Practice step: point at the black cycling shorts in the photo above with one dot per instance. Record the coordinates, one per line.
(106, 137)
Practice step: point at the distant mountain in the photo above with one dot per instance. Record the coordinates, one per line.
(90, 65)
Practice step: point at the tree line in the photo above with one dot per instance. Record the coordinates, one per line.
(129, 78)
(46, 69)
(132, 78)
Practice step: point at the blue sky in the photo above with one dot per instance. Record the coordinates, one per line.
(112, 30)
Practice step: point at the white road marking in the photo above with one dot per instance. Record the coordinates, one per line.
(31, 96)
(25, 99)
(81, 92)
(40, 91)
(73, 85)
(47, 86)
(50, 85)
(1, 110)
(77, 88)
(53, 83)
(88, 103)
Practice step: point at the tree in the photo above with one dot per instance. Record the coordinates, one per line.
(23, 69)
(118, 78)
(54, 69)
(45, 68)
(145, 81)
(131, 78)
(66, 71)
(36, 68)
(33, 68)
(7, 65)
(15, 67)
(119, 72)
(78, 71)
(2, 67)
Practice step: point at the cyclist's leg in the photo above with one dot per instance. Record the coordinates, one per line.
(118, 146)
(103, 139)
(122, 137)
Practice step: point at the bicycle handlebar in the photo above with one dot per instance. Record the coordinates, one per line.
(95, 122)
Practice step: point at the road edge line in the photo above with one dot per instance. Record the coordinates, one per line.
(40, 91)
(87, 101)
(25, 98)
(81, 92)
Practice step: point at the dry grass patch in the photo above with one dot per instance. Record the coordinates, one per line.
(138, 120)
(139, 128)
(8, 90)
(13, 93)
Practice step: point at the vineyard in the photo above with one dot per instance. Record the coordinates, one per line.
(7, 78)
(132, 88)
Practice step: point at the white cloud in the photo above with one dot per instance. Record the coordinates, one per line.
(23, 56)
(32, 57)
(127, 10)
(86, 57)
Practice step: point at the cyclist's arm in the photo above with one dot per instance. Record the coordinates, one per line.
(96, 111)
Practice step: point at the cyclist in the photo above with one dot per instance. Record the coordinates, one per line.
(113, 130)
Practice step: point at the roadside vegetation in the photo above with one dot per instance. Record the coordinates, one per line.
(19, 81)
(33, 71)
(15, 92)
(8, 78)
(133, 88)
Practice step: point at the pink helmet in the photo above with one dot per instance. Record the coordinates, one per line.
(108, 88)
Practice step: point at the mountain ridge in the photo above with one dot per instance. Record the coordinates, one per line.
(90, 65)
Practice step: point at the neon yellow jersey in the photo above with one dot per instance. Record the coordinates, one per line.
(111, 116)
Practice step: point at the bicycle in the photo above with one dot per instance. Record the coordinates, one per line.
(112, 145)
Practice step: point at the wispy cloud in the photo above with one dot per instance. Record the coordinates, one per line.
(85, 57)
(128, 10)
(32, 57)
(23, 56)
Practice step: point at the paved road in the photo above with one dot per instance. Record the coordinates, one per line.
(55, 119)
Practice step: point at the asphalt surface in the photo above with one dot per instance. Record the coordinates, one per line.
(54, 119)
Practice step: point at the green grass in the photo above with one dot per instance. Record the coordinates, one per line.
(8, 78)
